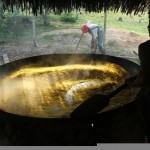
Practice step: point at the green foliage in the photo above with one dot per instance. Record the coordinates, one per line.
(130, 23)
(134, 23)
(8, 23)
(13, 26)
(69, 17)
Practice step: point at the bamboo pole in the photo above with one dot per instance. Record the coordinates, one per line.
(149, 21)
(105, 23)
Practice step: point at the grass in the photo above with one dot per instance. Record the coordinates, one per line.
(48, 37)
(133, 23)
(130, 23)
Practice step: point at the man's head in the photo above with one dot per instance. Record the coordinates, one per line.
(144, 52)
(84, 28)
(144, 56)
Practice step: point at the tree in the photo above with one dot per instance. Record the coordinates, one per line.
(34, 30)
(1, 10)
(44, 15)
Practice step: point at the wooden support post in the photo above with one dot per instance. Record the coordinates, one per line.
(34, 30)
(105, 22)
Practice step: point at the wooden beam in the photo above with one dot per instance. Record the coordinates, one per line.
(105, 23)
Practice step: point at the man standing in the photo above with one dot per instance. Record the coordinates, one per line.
(97, 34)
(143, 81)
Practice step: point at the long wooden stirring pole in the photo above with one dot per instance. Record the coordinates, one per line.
(78, 43)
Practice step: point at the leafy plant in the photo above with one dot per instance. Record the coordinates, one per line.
(69, 17)
(8, 24)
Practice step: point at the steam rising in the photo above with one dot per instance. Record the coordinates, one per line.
(54, 92)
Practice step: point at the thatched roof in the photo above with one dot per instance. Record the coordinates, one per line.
(126, 6)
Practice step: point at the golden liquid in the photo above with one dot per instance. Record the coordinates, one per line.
(42, 91)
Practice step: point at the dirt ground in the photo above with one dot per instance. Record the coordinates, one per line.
(119, 43)
(111, 128)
